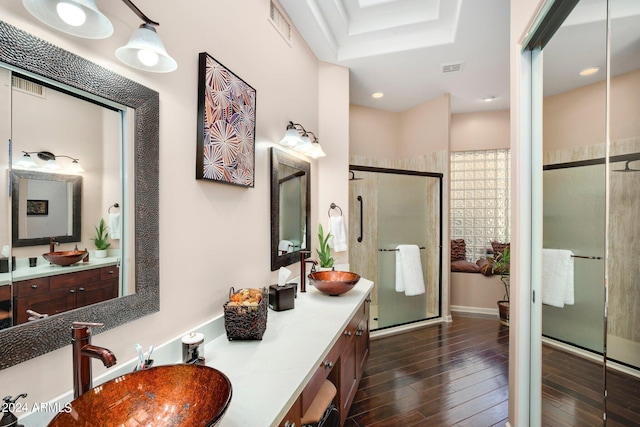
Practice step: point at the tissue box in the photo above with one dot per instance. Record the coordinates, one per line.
(4, 264)
(282, 297)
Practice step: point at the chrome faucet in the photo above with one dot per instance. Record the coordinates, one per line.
(83, 351)
(303, 269)
(52, 244)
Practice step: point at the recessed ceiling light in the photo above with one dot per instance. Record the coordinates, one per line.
(377, 95)
(589, 71)
(488, 98)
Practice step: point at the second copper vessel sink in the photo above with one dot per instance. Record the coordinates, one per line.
(65, 258)
(333, 282)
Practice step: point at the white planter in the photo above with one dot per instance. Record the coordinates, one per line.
(101, 253)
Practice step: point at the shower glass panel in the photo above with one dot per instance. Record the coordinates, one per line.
(574, 218)
(396, 207)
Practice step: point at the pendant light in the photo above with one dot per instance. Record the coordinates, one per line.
(80, 18)
(145, 50)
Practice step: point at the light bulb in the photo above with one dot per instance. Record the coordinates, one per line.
(71, 14)
(148, 57)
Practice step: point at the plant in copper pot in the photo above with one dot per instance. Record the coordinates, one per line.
(501, 266)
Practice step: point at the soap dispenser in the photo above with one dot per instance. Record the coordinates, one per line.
(8, 419)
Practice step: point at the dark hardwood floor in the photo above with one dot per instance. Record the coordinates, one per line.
(456, 374)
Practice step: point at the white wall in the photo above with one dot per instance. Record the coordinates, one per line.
(212, 236)
(523, 13)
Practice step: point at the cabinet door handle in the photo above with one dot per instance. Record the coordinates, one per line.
(367, 300)
(347, 333)
(328, 365)
(289, 424)
(359, 333)
(81, 289)
(72, 291)
(111, 272)
(34, 286)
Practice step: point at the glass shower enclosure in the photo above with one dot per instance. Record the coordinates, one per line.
(391, 207)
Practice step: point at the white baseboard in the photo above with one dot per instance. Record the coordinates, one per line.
(474, 310)
(403, 328)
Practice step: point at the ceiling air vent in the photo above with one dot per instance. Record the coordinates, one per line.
(280, 23)
(453, 67)
(27, 86)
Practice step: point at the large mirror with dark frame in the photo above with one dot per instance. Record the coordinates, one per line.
(290, 208)
(137, 109)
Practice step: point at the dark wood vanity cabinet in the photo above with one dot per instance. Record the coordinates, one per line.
(63, 292)
(343, 366)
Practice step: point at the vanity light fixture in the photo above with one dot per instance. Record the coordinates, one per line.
(27, 162)
(144, 51)
(79, 18)
(299, 139)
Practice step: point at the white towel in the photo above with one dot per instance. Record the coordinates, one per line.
(409, 277)
(557, 277)
(285, 247)
(114, 225)
(338, 239)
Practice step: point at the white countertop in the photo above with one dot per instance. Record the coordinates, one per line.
(267, 376)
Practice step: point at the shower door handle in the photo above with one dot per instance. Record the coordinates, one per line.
(361, 220)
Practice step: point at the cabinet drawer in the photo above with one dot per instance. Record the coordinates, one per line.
(78, 278)
(25, 288)
(109, 272)
(5, 292)
(50, 303)
(327, 364)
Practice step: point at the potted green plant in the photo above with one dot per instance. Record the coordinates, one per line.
(324, 251)
(101, 239)
(501, 265)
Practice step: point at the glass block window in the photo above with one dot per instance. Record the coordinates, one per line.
(480, 199)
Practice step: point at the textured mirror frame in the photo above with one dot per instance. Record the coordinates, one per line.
(27, 52)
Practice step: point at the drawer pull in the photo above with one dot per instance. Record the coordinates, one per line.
(81, 289)
(367, 300)
(111, 272)
(72, 291)
(328, 365)
(347, 333)
(359, 333)
(34, 286)
(289, 424)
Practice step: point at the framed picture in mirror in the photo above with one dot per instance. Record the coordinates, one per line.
(37, 207)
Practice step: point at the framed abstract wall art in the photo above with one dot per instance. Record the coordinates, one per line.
(226, 125)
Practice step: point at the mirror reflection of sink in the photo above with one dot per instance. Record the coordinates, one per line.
(65, 258)
(333, 283)
(167, 395)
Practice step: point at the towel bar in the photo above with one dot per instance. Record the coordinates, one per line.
(586, 257)
(395, 250)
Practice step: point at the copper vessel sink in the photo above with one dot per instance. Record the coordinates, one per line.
(167, 395)
(333, 282)
(65, 258)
